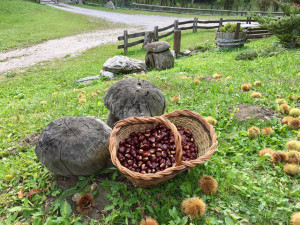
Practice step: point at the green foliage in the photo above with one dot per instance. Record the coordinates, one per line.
(268, 51)
(271, 51)
(287, 28)
(248, 55)
(229, 28)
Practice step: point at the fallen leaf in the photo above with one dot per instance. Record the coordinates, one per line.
(21, 194)
(34, 191)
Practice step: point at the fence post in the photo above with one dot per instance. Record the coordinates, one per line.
(195, 25)
(220, 23)
(175, 25)
(125, 42)
(177, 40)
(237, 31)
(156, 33)
(250, 20)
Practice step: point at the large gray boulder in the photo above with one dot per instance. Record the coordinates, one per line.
(133, 97)
(74, 146)
(123, 64)
(161, 60)
(158, 46)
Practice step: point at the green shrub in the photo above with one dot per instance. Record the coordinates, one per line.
(271, 51)
(229, 28)
(249, 55)
(287, 28)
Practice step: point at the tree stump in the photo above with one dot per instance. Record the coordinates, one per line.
(74, 146)
(162, 60)
(133, 97)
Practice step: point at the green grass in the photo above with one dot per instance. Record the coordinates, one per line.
(184, 15)
(24, 23)
(251, 190)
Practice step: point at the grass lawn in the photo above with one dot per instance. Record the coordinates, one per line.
(251, 190)
(24, 23)
(184, 15)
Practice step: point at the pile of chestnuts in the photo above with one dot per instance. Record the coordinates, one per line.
(154, 149)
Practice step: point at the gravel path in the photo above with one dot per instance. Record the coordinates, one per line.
(56, 48)
(148, 21)
(59, 48)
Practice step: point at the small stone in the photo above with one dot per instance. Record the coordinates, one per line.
(157, 47)
(107, 74)
(76, 197)
(173, 53)
(87, 79)
(186, 53)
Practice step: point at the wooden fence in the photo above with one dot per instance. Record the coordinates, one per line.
(176, 26)
(157, 8)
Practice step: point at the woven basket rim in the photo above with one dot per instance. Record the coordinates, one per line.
(161, 119)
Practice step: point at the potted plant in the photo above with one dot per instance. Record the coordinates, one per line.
(230, 36)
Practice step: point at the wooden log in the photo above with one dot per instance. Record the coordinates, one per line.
(175, 24)
(186, 22)
(160, 60)
(220, 24)
(156, 33)
(166, 35)
(166, 28)
(131, 44)
(237, 30)
(212, 27)
(187, 28)
(125, 42)
(177, 40)
(134, 35)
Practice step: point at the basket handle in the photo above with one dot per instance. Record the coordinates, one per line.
(177, 139)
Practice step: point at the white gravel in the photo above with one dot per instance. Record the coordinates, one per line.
(148, 21)
(57, 48)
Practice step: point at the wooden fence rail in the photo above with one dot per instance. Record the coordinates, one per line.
(175, 26)
(159, 8)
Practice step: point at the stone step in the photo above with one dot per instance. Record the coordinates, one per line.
(252, 36)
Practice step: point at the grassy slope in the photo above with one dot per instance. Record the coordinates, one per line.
(201, 17)
(251, 190)
(24, 23)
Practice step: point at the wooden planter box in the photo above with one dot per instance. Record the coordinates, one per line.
(228, 40)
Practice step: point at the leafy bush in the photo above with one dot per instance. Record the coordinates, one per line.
(287, 29)
(271, 51)
(249, 55)
(229, 28)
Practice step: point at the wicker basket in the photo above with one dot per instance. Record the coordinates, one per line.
(204, 135)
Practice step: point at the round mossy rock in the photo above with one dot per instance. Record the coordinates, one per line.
(74, 146)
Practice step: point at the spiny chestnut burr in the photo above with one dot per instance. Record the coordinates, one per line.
(154, 149)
